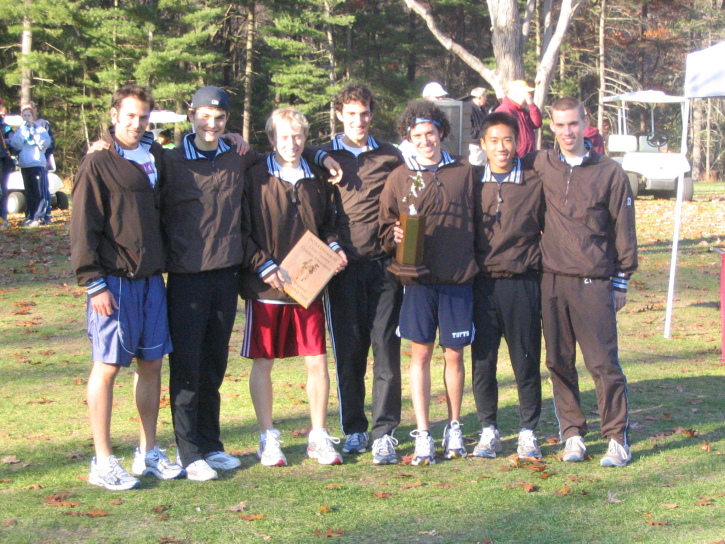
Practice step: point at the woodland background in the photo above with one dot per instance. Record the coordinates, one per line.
(69, 56)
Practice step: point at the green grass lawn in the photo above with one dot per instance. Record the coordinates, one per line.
(673, 491)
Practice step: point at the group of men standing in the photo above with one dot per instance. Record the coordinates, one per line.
(491, 274)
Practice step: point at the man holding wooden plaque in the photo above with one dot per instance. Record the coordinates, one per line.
(439, 187)
(291, 199)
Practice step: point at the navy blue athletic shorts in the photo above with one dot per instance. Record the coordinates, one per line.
(427, 308)
(140, 326)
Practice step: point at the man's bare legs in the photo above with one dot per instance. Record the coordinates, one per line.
(318, 389)
(454, 375)
(100, 405)
(260, 388)
(419, 371)
(147, 393)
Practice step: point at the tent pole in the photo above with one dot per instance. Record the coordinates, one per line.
(678, 220)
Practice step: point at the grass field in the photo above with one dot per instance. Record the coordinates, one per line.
(673, 491)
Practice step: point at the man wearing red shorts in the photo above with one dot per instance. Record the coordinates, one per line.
(288, 198)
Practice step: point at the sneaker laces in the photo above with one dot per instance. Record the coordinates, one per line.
(527, 441)
(271, 441)
(422, 443)
(616, 449)
(324, 442)
(455, 436)
(385, 445)
(488, 437)
(355, 440)
(115, 468)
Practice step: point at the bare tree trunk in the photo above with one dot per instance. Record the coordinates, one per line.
(528, 16)
(602, 65)
(348, 35)
(26, 46)
(508, 45)
(697, 139)
(708, 141)
(248, 73)
(331, 66)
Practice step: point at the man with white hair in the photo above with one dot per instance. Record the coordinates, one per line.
(518, 102)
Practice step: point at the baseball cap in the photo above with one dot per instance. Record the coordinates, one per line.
(434, 89)
(210, 97)
(518, 85)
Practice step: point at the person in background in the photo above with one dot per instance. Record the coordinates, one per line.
(476, 155)
(6, 164)
(166, 139)
(519, 103)
(434, 91)
(31, 140)
(593, 135)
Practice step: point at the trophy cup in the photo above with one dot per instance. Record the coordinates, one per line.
(408, 262)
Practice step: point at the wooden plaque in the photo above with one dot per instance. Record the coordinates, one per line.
(308, 268)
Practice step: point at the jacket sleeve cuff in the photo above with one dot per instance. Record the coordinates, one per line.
(320, 157)
(334, 246)
(620, 284)
(96, 287)
(266, 269)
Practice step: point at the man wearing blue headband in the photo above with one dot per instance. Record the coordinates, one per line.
(440, 187)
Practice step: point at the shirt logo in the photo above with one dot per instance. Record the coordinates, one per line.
(461, 334)
(148, 168)
(629, 201)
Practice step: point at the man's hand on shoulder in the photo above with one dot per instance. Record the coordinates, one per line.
(240, 143)
(335, 170)
(98, 145)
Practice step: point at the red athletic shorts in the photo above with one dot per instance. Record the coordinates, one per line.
(276, 331)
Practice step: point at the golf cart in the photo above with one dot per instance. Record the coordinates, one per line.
(16, 187)
(646, 157)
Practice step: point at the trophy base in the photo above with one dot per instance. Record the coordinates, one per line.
(408, 270)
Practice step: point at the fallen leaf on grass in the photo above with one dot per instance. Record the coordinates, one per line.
(116, 502)
(529, 488)
(6, 480)
(612, 498)
(301, 432)
(98, 513)
(705, 446)
(10, 460)
(162, 508)
(74, 456)
(41, 401)
(21, 311)
(444, 486)
(250, 517)
(653, 522)
(536, 467)
(382, 494)
(544, 475)
(263, 537)
(325, 509)
(417, 483)
(566, 490)
(331, 533)
(552, 440)
(432, 532)
(703, 503)
(163, 517)
(80, 381)
(333, 486)
(9, 522)
(172, 540)
(36, 486)
(403, 475)
(407, 459)
(47, 352)
(238, 507)
(487, 541)
(687, 432)
(671, 505)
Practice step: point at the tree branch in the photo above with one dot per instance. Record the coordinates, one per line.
(528, 15)
(491, 76)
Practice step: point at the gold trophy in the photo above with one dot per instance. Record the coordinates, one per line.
(408, 262)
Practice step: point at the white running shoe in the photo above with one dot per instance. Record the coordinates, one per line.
(270, 452)
(574, 450)
(156, 463)
(220, 460)
(320, 447)
(489, 443)
(528, 445)
(425, 448)
(112, 475)
(200, 471)
(384, 451)
(618, 455)
(453, 447)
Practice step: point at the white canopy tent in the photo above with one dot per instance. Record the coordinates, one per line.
(704, 78)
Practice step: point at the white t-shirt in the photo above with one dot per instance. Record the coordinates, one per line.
(354, 150)
(143, 157)
(290, 174)
(574, 161)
